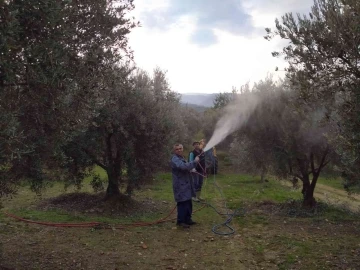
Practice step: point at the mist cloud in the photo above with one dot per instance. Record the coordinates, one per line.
(236, 115)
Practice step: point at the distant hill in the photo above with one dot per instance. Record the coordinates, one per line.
(197, 108)
(204, 100)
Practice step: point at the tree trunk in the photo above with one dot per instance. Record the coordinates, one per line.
(113, 184)
(114, 168)
(308, 192)
(129, 189)
(308, 188)
(309, 200)
(263, 173)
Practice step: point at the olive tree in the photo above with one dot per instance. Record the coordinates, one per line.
(131, 135)
(323, 53)
(54, 59)
(284, 138)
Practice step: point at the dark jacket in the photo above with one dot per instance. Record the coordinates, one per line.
(183, 185)
(200, 167)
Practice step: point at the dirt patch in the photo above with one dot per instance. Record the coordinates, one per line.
(334, 196)
(94, 204)
(264, 239)
(268, 235)
(294, 209)
(338, 197)
(163, 246)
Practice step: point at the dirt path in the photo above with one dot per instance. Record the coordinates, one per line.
(335, 196)
(339, 192)
(338, 197)
(158, 247)
(262, 241)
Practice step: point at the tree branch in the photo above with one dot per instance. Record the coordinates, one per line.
(323, 163)
(298, 176)
(92, 156)
(312, 163)
(326, 163)
(15, 84)
(303, 167)
(355, 71)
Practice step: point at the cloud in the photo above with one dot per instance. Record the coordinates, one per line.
(178, 35)
(233, 61)
(203, 37)
(208, 16)
(264, 12)
(279, 7)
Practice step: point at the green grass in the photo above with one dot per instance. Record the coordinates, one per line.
(23, 204)
(334, 182)
(294, 249)
(260, 249)
(58, 216)
(245, 188)
(237, 190)
(335, 214)
(53, 215)
(278, 238)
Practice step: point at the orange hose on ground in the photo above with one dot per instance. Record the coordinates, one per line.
(94, 224)
(84, 224)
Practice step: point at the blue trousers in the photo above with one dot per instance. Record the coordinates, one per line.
(198, 181)
(184, 211)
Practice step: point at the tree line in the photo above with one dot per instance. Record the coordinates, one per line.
(309, 122)
(72, 98)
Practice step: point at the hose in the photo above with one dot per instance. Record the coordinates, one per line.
(237, 212)
(99, 225)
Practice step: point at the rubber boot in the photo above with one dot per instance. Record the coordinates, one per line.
(195, 199)
(198, 196)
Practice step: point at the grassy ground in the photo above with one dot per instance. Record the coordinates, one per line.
(272, 231)
(334, 182)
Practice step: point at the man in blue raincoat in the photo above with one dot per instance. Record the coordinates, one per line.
(183, 186)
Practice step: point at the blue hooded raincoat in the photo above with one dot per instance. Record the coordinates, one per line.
(183, 185)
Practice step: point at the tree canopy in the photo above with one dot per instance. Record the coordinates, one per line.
(283, 138)
(55, 55)
(323, 56)
(132, 131)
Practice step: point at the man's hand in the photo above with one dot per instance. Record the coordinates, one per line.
(197, 159)
(193, 170)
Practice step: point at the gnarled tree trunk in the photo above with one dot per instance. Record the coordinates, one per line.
(113, 189)
(308, 195)
(308, 188)
(114, 168)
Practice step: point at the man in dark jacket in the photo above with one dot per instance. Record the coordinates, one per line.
(183, 186)
(199, 171)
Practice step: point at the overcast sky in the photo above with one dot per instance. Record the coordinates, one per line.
(209, 46)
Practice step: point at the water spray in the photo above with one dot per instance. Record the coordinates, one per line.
(235, 116)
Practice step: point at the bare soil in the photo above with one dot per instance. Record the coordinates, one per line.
(94, 204)
(338, 197)
(335, 196)
(267, 237)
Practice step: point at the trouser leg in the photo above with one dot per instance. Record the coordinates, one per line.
(181, 207)
(188, 211)
(195, 178)
(200, 181)
(182, 212)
